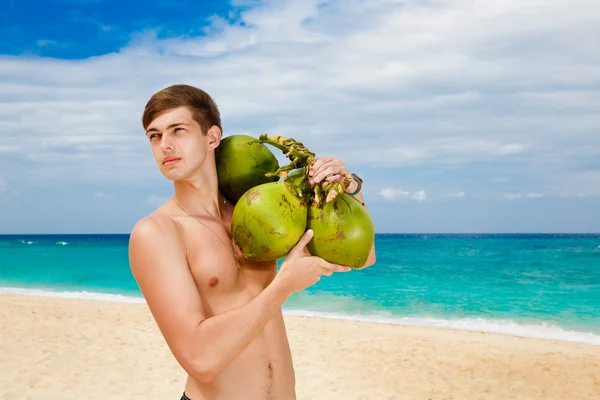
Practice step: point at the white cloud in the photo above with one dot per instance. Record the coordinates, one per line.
(513, 84)
(102, 195)
(454, 150)
(512, 196)
(455, 195)
(393, 194)
(419, 195)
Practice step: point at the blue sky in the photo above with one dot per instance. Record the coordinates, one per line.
(460, 115)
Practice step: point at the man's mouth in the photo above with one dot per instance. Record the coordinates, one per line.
(170, 160)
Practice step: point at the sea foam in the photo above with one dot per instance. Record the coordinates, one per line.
(84, 295)
(502, 326)
(486, 325)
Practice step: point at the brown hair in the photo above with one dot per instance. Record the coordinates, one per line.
(203, 107)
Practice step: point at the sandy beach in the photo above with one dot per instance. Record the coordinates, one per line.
(53, 348)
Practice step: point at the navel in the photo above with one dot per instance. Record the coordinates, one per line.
(213, 281)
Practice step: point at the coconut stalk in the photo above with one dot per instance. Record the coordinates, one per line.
(302, 158)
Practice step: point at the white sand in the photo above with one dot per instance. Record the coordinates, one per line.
(68, 349)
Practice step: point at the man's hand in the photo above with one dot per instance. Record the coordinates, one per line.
(300, 270)
(333, 170)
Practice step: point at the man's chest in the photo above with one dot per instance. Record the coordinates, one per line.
(218, 271)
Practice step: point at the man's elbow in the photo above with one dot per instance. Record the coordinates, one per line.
(372, 258)
(370, 261)
(201, 371)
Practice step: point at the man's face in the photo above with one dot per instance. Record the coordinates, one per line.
(178, 144)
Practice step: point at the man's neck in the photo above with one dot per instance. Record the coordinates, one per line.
(199, 196)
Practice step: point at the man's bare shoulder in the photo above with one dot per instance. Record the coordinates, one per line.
(153, 236)
(160, 222)
(152, 225)
(167, 220)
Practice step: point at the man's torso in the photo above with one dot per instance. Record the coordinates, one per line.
(264, 369)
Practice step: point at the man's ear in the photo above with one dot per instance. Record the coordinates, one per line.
(214, 137)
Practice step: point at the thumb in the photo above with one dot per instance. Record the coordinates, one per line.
(304, 240)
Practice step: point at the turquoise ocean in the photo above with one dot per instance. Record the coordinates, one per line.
(530, 285)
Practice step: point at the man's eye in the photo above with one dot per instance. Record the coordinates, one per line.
(154, 135)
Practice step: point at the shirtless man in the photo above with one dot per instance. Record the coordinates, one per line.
(220, 317)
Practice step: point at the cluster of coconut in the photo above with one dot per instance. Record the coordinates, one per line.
(274, 206)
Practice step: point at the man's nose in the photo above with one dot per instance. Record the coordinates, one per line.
(166, 144)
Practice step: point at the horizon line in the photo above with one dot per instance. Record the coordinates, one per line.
(376, 233)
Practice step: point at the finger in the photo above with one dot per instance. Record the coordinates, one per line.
(335, 267)
(324, 172)
(336, 178)
(319, 163)
(326, 272)
(302, 242)
(330, 170)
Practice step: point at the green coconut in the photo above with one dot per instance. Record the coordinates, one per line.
(343, 231)
(243, 162)
(268, 221)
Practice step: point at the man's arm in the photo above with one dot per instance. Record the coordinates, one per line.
(204, 346)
